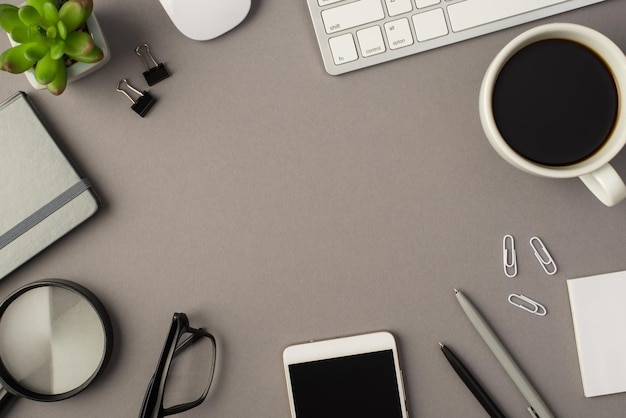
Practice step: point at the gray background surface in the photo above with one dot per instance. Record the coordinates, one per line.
(275, 204)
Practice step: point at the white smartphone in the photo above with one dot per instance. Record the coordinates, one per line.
(357, 376)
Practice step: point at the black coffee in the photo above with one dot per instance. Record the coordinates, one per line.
(555, 102)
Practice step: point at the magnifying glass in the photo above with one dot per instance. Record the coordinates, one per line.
(55, 339)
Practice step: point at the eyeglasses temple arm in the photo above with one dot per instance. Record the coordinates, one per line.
(6, 400)
(154, 395)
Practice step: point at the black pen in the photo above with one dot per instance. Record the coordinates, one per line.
(472, 384)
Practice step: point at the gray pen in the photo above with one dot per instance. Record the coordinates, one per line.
(537, 406)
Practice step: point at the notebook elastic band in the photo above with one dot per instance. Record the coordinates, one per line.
(45, 211)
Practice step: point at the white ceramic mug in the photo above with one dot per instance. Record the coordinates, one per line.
(595, 170)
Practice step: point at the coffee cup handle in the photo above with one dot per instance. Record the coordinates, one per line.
(606, 184)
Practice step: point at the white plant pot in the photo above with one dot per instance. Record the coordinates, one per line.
(79, 69)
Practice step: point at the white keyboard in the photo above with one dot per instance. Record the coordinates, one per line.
(354, 34)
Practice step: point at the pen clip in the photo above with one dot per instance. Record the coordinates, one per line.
(532, 412)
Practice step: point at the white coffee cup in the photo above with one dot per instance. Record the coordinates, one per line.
(594, 171)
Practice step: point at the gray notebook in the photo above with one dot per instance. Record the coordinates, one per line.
(42, 197)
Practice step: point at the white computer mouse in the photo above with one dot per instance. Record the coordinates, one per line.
(202, 20)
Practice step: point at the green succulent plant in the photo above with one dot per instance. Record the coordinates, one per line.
(50, 35)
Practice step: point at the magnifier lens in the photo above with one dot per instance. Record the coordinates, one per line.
(52, 340)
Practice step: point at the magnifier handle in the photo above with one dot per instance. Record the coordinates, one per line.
(6, 400)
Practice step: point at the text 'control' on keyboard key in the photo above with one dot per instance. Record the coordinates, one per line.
(371, 41)
(352, 15)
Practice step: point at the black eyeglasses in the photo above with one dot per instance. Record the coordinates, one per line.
(180, 337)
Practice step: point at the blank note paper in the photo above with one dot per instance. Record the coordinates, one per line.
(599, 315)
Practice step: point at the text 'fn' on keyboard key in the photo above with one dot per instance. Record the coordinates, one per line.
(343, 49)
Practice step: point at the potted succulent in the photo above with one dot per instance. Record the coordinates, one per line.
(53, 41)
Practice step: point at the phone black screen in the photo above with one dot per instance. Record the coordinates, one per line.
(363, 385)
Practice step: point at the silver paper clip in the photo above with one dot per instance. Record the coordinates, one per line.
(509, 256)
(530, 305)
(545, 259)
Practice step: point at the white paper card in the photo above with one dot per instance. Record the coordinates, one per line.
(599, 315)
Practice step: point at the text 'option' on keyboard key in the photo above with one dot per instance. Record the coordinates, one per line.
(397, 7)
(398, 33)
(371, 41)
(430, 25)
(343, 49)
(426, 3)
(352, 14)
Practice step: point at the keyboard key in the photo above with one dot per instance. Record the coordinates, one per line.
(425, 3)
(343, 48)
(351, 15)
(371, 41)
(430, 25)
(397, 7)
(326, 2)
(471, 13)
(398, 33)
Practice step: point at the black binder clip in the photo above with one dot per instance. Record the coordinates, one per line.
(153, 74)
(144, 101)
